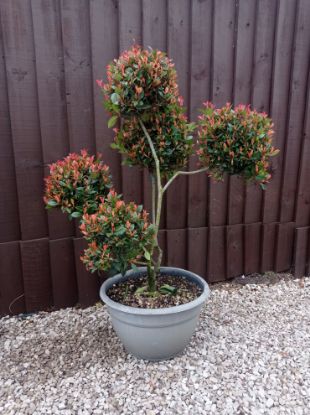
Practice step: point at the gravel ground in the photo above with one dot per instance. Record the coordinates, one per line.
(250, 355)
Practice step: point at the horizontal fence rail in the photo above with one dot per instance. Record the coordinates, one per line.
(242, 51)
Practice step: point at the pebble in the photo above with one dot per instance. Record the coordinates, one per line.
(250, 355)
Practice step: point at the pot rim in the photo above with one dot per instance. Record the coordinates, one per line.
(154, 311)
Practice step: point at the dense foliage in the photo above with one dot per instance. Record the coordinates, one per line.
(77, 183)
(118, 235)
(235, 141)
(142, 86)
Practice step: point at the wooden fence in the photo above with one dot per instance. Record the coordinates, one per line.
(243, 51)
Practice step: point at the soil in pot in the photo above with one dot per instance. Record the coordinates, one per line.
(125, 292)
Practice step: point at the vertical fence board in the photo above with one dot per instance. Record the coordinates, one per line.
(302, 214)
(252, 243)
(12, 298)
(176, 248)
(197, 250)
(78, 73)
(216, 267)
(234, 250)
(284, 247)
(296, 115)
(23, 104)
(154, 25)
(268, 244)
(36, 272)
(130, 33)
(200, 81)
(279, 102)
(104, 48)
(63, 273)
(9, 219)
(51, 97)
(245, 28)
(301, 251)
(261, 86)
(179, 20)
(222, 89)
(87, 283)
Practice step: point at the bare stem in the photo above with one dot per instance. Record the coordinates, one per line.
(185, 173)
(153, 181)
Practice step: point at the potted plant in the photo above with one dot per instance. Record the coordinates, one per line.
(155, 309)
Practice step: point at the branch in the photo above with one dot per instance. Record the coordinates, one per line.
(185, 173)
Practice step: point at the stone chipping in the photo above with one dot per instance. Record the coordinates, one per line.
(250, 355)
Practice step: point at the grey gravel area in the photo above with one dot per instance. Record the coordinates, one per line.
(250, 355)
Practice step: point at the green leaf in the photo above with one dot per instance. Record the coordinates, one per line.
(134, 268)
(112, 121)
(52, 203)
(147, 255)
(115, 98)
(76, 214)
(114, 146)
(168, 289)
(140, 290)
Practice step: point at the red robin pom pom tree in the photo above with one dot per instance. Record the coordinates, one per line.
(142, 96)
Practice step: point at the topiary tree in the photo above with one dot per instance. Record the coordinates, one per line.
(142, 95)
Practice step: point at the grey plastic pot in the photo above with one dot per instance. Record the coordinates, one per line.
(155, 334)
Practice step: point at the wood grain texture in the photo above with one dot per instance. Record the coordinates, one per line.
(178, 47)
(35, 261)
(104, 26)
(216, 267)
(130, 33)
(284, 247)
(266, 15)
(12, 294)
(65, 293)
(234, 250)
(252, 247)
(222, 91)
(301, 252)
(87, 283)
(176, 248)
(280, 96)
(299, 78)
(51, 97)
(197, 242)
(23, 104)
(9, 214)
(268, 245)
(200, 90)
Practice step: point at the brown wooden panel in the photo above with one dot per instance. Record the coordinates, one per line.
(222, 91)
(216, 259)
(268, 245)
(12, 299)
(176, 248)
(179, 50)
(87, 283)
(197, 250)
(298, 92)
(302, 214)
(234, 250)
(279, 102)
(104, 25)
(154, 27)
(23, 105)
(301, 252)
(201, 41)
(252, 247)
(63, 275)
(284, 246)
(244, 44)
(78, 73)
(36, 273)
(9, 221)
(130, 33)
(261, 87)
(51, 97)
